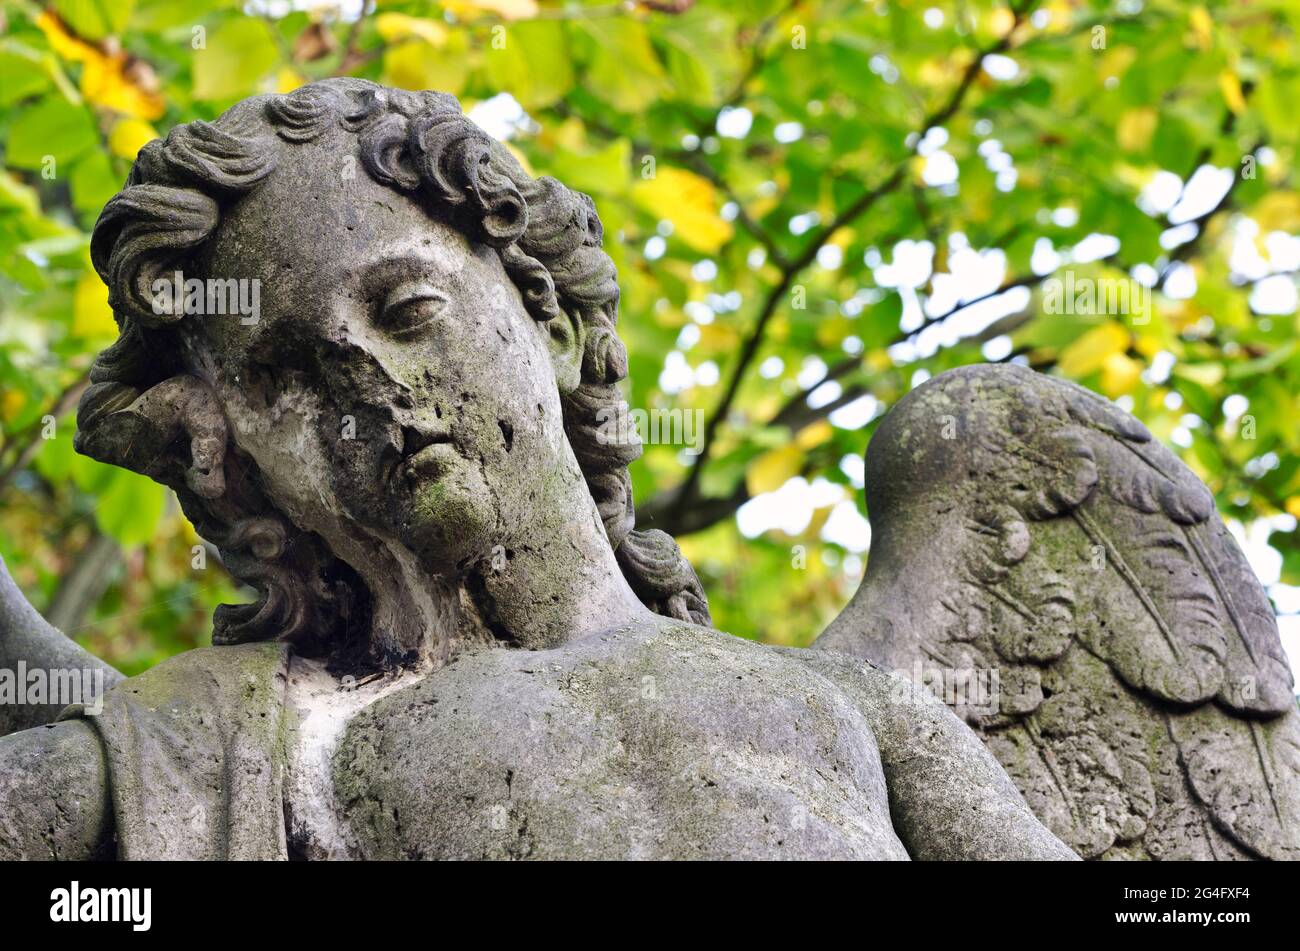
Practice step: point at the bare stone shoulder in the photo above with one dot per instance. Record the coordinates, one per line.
(949, 797)
(660, 740)
(54, 795)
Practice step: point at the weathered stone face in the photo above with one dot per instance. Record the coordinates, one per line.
(393, 376)
(407, 444)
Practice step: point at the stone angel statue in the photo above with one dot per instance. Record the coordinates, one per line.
(462, 644)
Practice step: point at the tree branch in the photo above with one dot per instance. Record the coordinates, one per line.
(30, 439)
(686, 496)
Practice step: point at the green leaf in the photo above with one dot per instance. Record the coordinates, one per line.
(625, 72)
(601, 172)
(95, 19)
(20, 76)
(153, 16)
(130, 507)
(535, 65)
(54, 128)
(93, 184)
(237, 55)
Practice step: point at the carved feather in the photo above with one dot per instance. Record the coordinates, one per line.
(1244, 772)
(1175, 646)
(1258, 678)
(1217, 647)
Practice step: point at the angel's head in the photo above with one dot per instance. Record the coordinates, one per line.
(426, 346)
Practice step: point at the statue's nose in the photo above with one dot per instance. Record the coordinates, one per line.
(415, 438)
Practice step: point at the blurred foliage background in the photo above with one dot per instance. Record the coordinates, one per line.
(814, 206)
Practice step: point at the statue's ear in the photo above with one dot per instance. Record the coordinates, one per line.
(566, 338)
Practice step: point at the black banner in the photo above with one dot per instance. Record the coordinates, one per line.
(937, 902)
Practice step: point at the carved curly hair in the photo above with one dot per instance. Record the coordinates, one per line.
(547, 236)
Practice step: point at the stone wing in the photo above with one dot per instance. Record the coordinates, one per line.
(1094, 620)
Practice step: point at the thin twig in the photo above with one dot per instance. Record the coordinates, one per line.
(29, 439)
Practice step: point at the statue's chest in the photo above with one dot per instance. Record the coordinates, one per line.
(602, 761)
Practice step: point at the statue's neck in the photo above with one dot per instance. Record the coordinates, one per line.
(553, 579)
(558, 583)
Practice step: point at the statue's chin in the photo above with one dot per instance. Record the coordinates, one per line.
(443, 510)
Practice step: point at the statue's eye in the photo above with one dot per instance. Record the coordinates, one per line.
(410, 310)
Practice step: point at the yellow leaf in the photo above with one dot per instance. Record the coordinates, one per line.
(104, 83)
(814, 434)
(820, 516)
(689, 202)
(1001, 21)
(91, 315)
(506, 9)
(717, 338)
(1090, 352)
(1133, 133)
(1061, 16)
(1206, 374)
(773, 469)
(935, 71)
(129, 136)
(916, 168)
(11, 402)
(692, 549)
(287, 79)
(1115, 62)
(766, 406)
(878, 361)
(570, 134)
(67, 46)
(1132, 176)
(759, 207)
(1148, 345)
(1277, 211)
(1119, 374)
(416, 65)
(1202, 26)
(395, 27)
(1230, 86)
(831, 331)
(104, 79)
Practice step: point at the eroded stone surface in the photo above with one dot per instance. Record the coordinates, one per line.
(682, 745)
